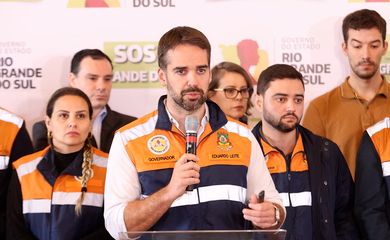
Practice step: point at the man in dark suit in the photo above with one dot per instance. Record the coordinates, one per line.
(91, 71)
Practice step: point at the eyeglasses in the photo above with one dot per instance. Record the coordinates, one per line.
(233, 93)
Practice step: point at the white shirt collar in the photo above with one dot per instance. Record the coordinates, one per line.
(203, 122)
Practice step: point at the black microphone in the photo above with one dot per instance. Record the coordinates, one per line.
(191, 125)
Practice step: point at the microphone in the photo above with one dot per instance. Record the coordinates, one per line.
(191, 125)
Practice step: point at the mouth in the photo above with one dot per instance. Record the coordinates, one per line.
(366, 64)
(101, 97)
(290, 118)
(192, 95)
(72, 134)
(239, 107)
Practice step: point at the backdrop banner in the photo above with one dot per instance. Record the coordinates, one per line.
(39, 37)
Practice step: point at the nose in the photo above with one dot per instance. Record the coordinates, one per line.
(192, 79)
(72, 123)
(365, 52)
(239, 95)
(101, 84)
(291, 106)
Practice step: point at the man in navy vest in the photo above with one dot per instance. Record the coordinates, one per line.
(148, 170)
(309, 171)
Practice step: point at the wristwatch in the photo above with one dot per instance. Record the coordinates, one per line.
(277, 215)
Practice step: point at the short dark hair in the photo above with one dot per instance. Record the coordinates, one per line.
(276, 71)
(221, 69)
(178, 36)
(67, 91)
(364, 19)
(95, 54)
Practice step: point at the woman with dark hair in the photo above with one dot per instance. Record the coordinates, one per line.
(59, 190)
(231, 88)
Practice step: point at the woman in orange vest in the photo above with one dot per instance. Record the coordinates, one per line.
(59, 190)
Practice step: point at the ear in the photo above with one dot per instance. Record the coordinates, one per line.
(386, 45)
(72, 79)
(259, 100)
(48, 123)
(344, 46)
(90, 127)
(162, 77)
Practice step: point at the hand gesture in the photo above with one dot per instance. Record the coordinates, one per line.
(185, 172)
(262, 215)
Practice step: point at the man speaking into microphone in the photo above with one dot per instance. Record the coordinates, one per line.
(151, 164)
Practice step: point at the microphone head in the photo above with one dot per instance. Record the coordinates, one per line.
(191, 124)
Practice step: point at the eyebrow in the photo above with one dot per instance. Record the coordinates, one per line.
(185, 67)
(180, 68)
(375, 41)
(231, 86)
(203, 66)
(66, 111)
(91, 74)
(82, 111)
(285, 95)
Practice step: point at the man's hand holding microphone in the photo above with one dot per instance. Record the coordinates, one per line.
(186, 171)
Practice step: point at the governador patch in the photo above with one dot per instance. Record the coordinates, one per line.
(158, 144)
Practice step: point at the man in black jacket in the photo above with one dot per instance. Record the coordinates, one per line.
(91, 71)
(309, 171)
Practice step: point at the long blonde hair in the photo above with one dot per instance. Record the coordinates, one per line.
(87, 173)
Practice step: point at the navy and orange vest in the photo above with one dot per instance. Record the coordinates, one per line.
(291, 177)
(49, 200)
(154, 144)
(9, 128)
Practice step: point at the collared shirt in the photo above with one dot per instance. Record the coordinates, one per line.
(342, 116)
(203, 123)
(97, 126)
